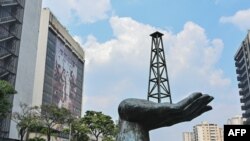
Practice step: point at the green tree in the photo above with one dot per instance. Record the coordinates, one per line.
(78, 130)
(51, 116)
(112, 135)
(6, 89)
(27, 118)
(36, 139)
(99, 124)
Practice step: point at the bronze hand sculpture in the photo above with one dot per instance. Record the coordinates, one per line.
(138, 117)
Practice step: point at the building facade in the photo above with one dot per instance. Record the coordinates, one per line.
(188, 136)
(242, 64)
(58, 77)
(11, 19)
(39, 58)
(207, 132)
(19, 27)
(59, 67)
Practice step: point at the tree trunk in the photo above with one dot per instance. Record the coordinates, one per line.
(22, 133)
(27, 134)
(21, 138)
(48, 134)
(96, 138)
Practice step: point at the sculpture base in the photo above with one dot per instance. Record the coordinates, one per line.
(131, 131)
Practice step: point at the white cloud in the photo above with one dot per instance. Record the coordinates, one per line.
(85, 11)
(240, 18)
(190, 54)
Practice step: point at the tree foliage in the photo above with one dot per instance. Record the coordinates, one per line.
(36, 139)
(27, 118)
(99, 124)
(51, 115)
(78, 130)
(6, 89)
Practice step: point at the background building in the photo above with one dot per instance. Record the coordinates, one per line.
(39, 58)
(236, 120)
(188, 136)
(207, 132)
(59, 67)
(243, 72)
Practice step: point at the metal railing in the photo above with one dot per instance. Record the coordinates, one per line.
(6, 19)
(8, 2)
(12, 2)
(4, 53)
(21, 2)
(9, 65)
(11, 47)
(17, 11)
(7, 33)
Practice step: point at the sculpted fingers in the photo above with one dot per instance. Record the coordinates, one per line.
(185, 102)
(198, 112)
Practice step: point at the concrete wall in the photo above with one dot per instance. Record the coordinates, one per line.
(27, 58)
(41, 58)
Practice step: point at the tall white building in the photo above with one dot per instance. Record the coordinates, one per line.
(188, 136)
(19, 28)
(207, 132)
(242, 65)
(236, 120)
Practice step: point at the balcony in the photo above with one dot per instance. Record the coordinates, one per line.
(8, 2)
(241, 92)
(244, 115)
(242, 100)
(240, 63)
(243, 107)
(239, 78)
(4, 74)
(4, 38)
(6, 34)
(4, 53)
(241, 70)
(242, 84)
(8, 19)
(237, 64)
(21, 2)
(8, 67)
(239, 55)
(247, 97)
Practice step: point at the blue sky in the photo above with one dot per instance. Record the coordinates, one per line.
(200, 40)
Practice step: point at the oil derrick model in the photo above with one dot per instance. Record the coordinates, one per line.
(158, 86)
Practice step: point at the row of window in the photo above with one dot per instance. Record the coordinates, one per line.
(54, 88)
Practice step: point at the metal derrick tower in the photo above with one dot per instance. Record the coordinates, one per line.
(158, 86)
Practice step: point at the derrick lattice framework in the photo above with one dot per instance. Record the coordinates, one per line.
(158, 86)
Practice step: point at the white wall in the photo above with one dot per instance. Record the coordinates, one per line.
(27, 58)
(41, 58)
